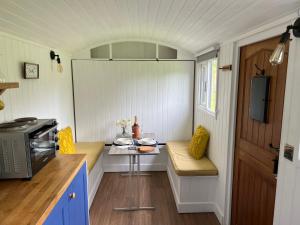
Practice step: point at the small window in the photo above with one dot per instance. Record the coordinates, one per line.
(101, 52)
(165, 52)
(207, 85)
(133, 50)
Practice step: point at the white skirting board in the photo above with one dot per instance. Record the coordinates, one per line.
(94, 179)
(194, 194)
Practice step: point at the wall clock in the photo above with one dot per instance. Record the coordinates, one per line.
(31, 71)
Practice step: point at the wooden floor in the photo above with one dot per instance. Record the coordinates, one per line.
(156, 190)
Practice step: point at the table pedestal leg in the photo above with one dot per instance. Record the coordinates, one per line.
(128, 173)
(132, 162)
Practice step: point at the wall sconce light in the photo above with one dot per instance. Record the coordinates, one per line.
(278, 54)
(59, 66)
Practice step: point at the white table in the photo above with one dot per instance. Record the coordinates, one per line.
(134, 159)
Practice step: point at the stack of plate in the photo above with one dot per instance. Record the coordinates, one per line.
(123, 141)
(147, 141)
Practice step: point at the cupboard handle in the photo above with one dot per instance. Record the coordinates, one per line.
(72, 195)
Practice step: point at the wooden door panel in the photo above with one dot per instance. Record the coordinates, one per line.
(280, 90)
(265, 157)
(258, 128)
(265, 171)
(254, 184)
(258, 196)
(248, 127)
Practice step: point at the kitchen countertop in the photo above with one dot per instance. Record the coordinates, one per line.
(24, 202)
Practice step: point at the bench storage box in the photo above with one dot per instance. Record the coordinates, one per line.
(193, 181)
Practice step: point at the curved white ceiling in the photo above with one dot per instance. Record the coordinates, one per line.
(189, 24)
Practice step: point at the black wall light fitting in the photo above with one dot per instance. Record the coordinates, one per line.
(278, 54)
(52, 57)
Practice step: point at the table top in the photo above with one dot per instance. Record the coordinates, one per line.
(125, 150)
(29, 202)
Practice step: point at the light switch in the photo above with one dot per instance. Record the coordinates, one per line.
(289, 152)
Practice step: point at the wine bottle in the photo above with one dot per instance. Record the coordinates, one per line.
(136, 130)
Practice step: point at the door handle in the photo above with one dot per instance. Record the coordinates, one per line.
(277, 149)
(275, 166)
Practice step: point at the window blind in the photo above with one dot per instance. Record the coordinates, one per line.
(208, 55)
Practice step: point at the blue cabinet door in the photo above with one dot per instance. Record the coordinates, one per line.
(78, 202)
(60, 213)
(72, 208)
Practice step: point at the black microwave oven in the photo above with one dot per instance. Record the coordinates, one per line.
(26, 147)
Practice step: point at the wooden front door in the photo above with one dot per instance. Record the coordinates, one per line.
(254, 183)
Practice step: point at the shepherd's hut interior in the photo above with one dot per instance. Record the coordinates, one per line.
(149, 112)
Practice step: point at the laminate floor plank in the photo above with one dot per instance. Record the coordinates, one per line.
(115, 191)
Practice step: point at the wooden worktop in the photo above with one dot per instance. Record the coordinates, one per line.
(30, 202)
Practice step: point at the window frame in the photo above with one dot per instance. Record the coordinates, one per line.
(199, 87)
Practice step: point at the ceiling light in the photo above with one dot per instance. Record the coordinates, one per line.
(278, 54)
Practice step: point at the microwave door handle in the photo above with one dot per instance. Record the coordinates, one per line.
(36, 145)
(45, 132)
(42, 149)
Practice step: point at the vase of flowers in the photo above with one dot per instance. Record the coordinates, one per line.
(124, 123)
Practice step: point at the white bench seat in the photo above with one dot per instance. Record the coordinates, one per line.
(193, 182)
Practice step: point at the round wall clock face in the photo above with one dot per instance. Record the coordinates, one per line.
(31, 71)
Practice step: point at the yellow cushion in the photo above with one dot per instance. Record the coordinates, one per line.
(92, 150)
(199, 142)
(185, 165)
(65, 141)
(2, 105)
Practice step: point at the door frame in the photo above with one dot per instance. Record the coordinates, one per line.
(264, 32)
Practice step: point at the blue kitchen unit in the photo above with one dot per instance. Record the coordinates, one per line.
(72, 208)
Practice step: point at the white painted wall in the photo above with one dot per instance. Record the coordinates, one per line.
(222, 128)
(47, 97)
(159, 93)
(218, 126)
(288, 188)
